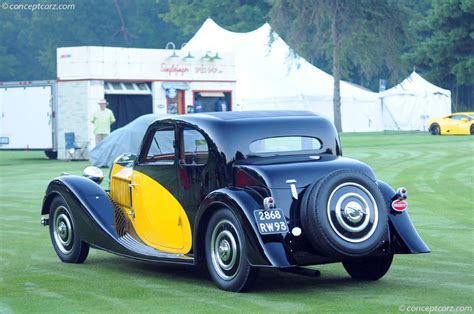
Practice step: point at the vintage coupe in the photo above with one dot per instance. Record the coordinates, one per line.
(236, 191)
(460, 123)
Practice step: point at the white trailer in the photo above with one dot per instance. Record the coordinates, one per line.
(27, 116)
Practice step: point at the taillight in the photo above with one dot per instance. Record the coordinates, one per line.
(401, 194)
(399, 202)
(268, 203)
(243, 179)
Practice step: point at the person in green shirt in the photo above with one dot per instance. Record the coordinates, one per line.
(102, 119)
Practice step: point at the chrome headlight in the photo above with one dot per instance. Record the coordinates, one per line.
(93, 173)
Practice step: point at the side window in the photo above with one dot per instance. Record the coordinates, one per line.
(457, 117)
(161, 150)
(194, 149)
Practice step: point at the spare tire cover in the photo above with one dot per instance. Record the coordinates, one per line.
(344, 214)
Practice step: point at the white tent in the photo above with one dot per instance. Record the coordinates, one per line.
(410, 104)
(269, 77)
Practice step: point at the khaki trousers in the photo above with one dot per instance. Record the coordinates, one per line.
(99, 138)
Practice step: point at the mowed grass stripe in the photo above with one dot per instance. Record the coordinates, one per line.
(438, 171)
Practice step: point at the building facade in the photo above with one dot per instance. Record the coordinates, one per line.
(137, 82)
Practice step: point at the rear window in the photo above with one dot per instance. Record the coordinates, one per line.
(286, 145)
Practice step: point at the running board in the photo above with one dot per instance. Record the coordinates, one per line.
(138, 250)
(302, 271)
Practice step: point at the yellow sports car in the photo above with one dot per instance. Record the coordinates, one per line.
(456, 123)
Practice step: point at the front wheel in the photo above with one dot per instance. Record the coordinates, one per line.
(226, 253)
(472, 129)
(435, 129)
(369, 269)
(64, 236)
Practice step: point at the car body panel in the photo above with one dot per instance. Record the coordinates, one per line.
(159, 219)
(94, 217)
(405, 238)
(455, 124)
(156, 214)
(303, 169)
(263, 250)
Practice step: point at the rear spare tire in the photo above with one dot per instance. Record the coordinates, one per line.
(344, 214)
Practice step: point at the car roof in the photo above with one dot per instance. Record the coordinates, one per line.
(464, 113)
(245, 115)
(233, 131)
(239, 118)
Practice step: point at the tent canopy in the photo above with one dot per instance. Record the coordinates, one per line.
(264, 54)
(410, 104)
(269, 76)
(415, 85)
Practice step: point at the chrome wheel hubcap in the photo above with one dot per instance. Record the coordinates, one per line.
(352, 212)
(62, 231)
(225, 250)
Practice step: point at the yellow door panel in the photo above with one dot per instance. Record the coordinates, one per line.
(446, 126)
(464, 127)
(160, 220)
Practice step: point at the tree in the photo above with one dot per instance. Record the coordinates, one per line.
(445, 49)
(235, 15)
(28, 40)
(362, 36)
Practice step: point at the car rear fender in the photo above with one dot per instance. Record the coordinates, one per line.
(405, 238)
(263, 251)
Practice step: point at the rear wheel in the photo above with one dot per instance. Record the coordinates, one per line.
(472, 129)
(372, 268)
(226, 253)
(51, 154)
(66, 241)
(435, 129)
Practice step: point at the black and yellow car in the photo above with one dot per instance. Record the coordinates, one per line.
(236, 191)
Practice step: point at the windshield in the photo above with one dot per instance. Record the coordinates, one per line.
(285, 145)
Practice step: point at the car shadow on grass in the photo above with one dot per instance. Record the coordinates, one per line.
(268, 280)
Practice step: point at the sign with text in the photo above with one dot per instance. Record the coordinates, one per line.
(111, 63)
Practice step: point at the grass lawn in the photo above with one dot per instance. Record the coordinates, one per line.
(439, 175)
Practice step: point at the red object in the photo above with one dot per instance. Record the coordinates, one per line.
(399, 205)
(243, 179)
(183, 175)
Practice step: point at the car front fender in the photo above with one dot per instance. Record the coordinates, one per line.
(91, 207)
(263, 251)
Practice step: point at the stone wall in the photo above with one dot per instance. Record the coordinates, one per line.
(76, 102)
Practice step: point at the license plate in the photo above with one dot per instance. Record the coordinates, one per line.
(270, 221)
